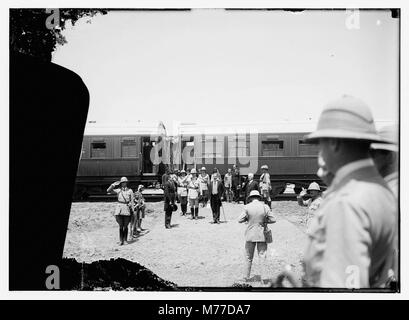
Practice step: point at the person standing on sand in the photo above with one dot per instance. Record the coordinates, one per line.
(236, 183)
(228, 182)
(216, 192)
(182, 191)
(170, 194)
(257, 215)
(139, 209)
(265, 185)
(123, 210)
(193, 194)
(203, 186)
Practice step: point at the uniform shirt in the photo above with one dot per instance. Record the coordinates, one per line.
(203, 181)
(265, 183)
(393, 183)
(124, 195)
(193, 186)
(257, 214)
(228, 180)
(312, 205)
(182, 186)
(351, 237)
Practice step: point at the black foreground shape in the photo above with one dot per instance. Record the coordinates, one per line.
(48, 112)
(114, 274)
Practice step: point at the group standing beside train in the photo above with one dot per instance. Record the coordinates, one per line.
(352, 226)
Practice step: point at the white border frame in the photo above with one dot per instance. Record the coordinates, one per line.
(147, 295)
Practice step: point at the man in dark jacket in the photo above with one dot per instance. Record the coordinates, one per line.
(236, 183)
(251, 185)
(216, 190)
(170, 195)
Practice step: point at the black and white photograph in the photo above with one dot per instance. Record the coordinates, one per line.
(224, 149)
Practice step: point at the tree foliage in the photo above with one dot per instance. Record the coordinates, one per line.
(30, 35)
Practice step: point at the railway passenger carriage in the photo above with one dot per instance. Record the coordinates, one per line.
(110, 152)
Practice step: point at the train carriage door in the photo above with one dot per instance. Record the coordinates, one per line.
(147, 145)
(187, 152)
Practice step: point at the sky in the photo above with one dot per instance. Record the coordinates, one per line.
(217, 66)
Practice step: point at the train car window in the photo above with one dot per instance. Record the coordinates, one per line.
(272, 148)
(307, 149)
(212, 149)
(128, 149)
(98, 149)
(238, 146)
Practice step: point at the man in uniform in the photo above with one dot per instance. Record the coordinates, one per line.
(351, 237)
(386, 158)
(203, 180)
(193, 194)
(265, 185)
(312, 202)
(236, 183)
(228, 184)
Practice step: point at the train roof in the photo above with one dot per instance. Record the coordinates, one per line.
(158, 128)
(262, 127)
(131, 129)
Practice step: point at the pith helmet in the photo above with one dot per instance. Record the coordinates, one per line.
(182, 171)
(314, 186)
(389, 134)
(203, 169)
(193, 170)
(124, 179)
(345, 118)
(265, 167)
(254, 193)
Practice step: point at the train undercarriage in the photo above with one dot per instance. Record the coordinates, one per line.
(94, 188)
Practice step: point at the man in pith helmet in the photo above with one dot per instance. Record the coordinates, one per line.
(265, 185)
(351, 237)
(310, 198)
(386, 157)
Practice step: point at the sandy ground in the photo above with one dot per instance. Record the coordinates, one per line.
(192, 253)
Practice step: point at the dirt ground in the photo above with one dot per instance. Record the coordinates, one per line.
(193, 252)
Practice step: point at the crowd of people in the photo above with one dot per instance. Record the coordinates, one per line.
(188, 187)
(352, 225)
